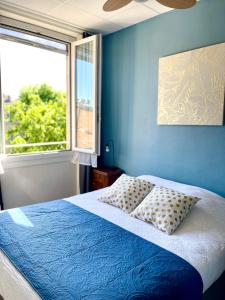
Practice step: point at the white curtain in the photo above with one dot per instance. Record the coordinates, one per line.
(84, 159)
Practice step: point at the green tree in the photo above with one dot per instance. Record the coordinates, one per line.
(39, 115)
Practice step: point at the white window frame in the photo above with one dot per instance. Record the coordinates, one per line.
(96, 39)
(35, 158)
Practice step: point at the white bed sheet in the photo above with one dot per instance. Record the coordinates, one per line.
(200, 239)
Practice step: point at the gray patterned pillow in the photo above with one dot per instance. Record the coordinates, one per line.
(164, 208)
(127, 192)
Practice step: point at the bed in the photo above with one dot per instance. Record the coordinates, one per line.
(199, 241)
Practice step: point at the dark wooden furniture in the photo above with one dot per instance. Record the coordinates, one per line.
(104, 176)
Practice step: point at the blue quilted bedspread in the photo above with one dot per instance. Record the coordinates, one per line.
(66, 252)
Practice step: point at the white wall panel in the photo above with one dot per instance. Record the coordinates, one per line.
(37, 183)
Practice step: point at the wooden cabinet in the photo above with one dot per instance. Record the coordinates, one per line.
(104, 176)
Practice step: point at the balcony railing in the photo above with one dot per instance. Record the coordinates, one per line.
(36, 144)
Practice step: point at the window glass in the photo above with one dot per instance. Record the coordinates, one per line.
(34, 95)
(24, 37)
(85, 101)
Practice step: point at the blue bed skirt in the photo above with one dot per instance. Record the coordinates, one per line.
(66, 252)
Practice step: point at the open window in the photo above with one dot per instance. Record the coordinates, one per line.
(34, 93)
(50, 93)
(86, 80)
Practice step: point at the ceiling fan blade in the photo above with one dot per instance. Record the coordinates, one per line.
(111, 5)
(179, 4)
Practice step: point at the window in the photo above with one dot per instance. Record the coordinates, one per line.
(85, 65)
(38, 75)
(34, 93)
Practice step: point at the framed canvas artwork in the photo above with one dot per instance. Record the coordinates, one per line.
(191, 87)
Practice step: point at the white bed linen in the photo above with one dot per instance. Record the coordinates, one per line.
(200, 239)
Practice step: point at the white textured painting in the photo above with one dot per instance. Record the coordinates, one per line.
(192, 86)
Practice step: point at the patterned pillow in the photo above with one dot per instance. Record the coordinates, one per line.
(127, 192)
(164, 208)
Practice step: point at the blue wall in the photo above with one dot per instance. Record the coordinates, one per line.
(189, 154)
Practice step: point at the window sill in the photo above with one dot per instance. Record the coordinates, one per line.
(27, 160)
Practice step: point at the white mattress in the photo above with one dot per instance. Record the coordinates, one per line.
(200, 239)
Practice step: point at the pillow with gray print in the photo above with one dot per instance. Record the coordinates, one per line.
(164, 208)
(127, 192)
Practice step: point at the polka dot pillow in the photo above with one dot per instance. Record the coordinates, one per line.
(127, 192)
(164, 208)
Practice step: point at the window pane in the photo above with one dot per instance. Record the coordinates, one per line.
(84, 66)
(4, 33)
(34, 97)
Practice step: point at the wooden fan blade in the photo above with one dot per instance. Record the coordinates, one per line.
(179, 4)
(111, 5)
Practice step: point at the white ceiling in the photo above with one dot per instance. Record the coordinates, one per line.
(88, 14)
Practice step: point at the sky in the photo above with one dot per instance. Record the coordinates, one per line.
(23, 65)
(84, 80)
